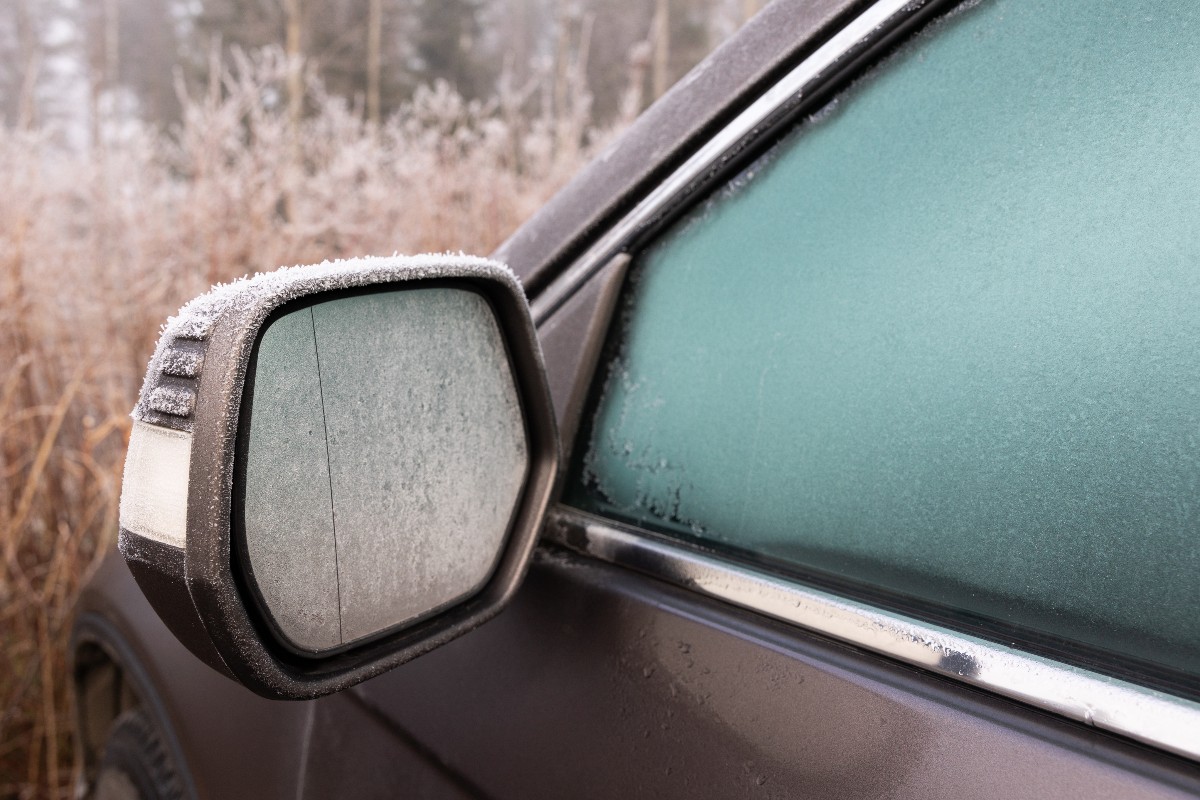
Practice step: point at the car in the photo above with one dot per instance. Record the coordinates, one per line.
(855, 455)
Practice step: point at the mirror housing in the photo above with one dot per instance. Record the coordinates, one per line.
(227, 535)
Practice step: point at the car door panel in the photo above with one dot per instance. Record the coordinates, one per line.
(600, 682)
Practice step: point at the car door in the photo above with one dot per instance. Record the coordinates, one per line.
(880, 415)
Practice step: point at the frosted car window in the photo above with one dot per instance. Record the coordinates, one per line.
(944, 342)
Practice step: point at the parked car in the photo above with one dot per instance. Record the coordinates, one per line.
(871, 352)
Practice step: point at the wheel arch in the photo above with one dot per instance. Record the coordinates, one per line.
(224, 740)
(108, 680)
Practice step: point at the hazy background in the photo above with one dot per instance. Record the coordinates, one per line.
(149, 148)
(86, 67)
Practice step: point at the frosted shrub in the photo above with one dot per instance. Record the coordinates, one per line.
(97, 248)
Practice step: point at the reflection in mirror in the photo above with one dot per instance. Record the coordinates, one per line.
(382, 456)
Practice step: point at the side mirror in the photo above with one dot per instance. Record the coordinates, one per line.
(334, 469)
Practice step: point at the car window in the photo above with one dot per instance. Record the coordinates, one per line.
(943, 341)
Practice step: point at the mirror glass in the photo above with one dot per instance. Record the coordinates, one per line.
(381, 458)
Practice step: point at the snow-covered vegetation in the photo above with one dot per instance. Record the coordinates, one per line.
(99, 245)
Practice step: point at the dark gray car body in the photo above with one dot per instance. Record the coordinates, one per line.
(600, 680)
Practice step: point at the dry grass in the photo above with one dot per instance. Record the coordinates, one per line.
(97, 249)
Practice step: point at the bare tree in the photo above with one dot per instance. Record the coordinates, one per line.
(147, 55)
(293, 12)
(446, 36)
(23, 55)
(660, 37)
(374, 63)
(359, 50)
(34, 36)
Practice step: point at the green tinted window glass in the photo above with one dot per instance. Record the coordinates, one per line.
(944, 341)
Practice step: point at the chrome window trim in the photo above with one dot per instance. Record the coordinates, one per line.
(1149, 716)
(1146, 715)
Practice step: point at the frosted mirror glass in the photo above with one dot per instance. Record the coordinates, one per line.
(382, 454)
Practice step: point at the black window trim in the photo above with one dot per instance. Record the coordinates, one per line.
(1145, 714)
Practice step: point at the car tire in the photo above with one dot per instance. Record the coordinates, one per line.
(136, 763)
